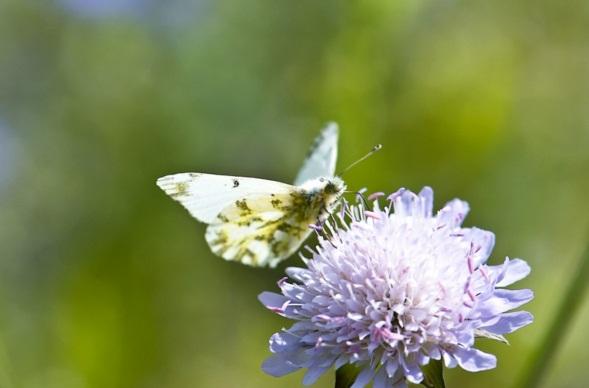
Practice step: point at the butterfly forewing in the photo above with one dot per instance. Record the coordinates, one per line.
(322, 156)
(205, 195)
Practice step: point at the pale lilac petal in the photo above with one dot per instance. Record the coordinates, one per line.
(283, 342)
(482, 245)
(381, 380)
(473, 360)
(313, 373)
(277, 366)
(512, 271)
(396, 194)
(277, 303)
(412, 372)
(449, 360)
(434, 353)
(427, 201)
(510, 322)
(453, 213)
(295, 292)
(272, 300)
(505, 300)
(299, 274)
(465, 337)
(405, 203)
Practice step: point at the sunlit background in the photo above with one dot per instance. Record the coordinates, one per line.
(105, 282)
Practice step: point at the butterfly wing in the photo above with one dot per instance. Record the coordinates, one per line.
(205, 195)
(263, 230)
(322, 156)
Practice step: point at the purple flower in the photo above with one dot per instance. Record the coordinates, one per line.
(390, 291)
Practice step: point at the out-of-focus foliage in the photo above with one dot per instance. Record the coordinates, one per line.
(105, 282)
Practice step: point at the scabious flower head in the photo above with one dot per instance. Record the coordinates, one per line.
(389, 290)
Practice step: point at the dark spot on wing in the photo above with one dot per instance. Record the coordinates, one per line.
(248, 221)
(245, 209)
(235, 183)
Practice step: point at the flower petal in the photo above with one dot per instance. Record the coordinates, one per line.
(512, 271)
(453, 213)
(473, 360)
(272, 300)
(482, 244)
(381, 380)
(404, 203)
(283, 342)
(314, 372)
(449, 360)
(510, 322)
(298, 274)
(412, 372)
(277, 366)
(504, 300)
(427, 201)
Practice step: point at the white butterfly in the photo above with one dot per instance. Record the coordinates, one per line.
(256, 221)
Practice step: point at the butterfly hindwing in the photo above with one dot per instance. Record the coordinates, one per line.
(263, 230)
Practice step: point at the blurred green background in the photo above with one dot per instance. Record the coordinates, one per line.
(106, 282)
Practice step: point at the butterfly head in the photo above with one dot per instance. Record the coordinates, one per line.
(334, 186)
(324, 193)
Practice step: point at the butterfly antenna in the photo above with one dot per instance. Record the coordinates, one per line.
(369, 154)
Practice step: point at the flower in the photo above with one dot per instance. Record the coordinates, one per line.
(390, 291)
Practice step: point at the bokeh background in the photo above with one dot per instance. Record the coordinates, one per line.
(105, 282)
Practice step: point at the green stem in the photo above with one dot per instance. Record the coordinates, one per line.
(345, 376)
(541, 359)
(433, 374)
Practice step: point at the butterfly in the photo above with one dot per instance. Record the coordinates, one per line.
(260, 222)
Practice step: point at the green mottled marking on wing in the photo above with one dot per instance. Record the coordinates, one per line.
(263, 226)
(264, 230)
(243, 206)
(181, 190)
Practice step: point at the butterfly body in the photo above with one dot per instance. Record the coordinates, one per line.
(256, 221)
